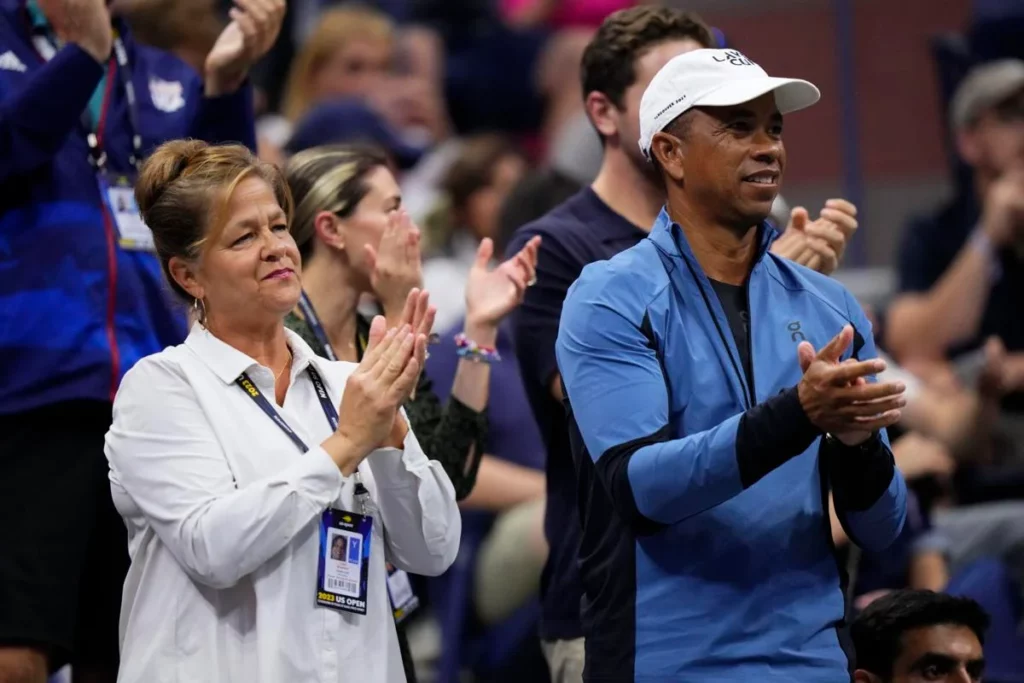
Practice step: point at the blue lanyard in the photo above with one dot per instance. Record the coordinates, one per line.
(321, 393)
(309, 313)
(315, 325)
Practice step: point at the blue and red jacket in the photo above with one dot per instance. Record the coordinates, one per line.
(78, 311)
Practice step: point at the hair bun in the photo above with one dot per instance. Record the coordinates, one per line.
(165, 165)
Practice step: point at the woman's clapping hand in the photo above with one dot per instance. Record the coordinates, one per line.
(377, 388)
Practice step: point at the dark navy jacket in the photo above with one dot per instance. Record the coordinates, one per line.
(77, 310)
(706, 552)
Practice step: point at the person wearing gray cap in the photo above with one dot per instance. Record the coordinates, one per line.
(961, 278)
(706, 429)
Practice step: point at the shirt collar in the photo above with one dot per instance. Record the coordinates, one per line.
(670, 238)
(228, 363)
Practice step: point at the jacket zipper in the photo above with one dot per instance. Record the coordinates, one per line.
(750, 340)
(108, 226)
(721, 335)
(747, 383)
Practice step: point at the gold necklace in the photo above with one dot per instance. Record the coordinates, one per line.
(286, 366)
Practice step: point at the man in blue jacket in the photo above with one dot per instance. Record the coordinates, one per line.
(707, 431)
(82, 297)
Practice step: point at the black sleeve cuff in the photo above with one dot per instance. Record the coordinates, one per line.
(465, 431)
(771, 433)
(859, 474)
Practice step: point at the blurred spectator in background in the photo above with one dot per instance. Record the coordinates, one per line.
(920, 636)
(574, 159)
(486, 169)
(961, 278)
(506, 506)
(186, 28)
(80, 106)
(561, 13)
(350, 52)
(351, 121)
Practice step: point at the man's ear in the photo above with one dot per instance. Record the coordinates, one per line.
(329, 230)
(667, 149)
(184, 273)
(602, 113)
(862, 676)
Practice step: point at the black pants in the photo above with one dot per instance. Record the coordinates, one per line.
(63, 546)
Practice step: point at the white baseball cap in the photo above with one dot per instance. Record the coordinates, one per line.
(713, 78)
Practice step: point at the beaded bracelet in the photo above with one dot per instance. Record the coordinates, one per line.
(470, 350)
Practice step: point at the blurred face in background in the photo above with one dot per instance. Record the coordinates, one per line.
(367, 222)
(995, 143)
(484, 205)
(350, 53)
(619, 123)
(355, 69)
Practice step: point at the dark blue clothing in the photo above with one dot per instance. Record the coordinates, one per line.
(930, 245)
(580, 231)
(79, 310)
(707, 553)
(512, 434)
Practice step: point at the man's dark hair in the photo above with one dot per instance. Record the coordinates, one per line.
(877, 632)
(609, 60)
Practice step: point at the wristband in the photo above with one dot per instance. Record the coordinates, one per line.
(470, 350)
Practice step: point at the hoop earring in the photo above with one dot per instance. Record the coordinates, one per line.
(199, 309)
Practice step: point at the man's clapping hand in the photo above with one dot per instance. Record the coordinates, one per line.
(837, 397)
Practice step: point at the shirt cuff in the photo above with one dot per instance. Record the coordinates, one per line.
(318, 477)
(771, 433)
(395, 468)
(860, 474)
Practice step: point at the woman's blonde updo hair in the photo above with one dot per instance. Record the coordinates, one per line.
(330, 178)
(183, 191)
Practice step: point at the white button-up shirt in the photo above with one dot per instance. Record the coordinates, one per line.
(223, 513)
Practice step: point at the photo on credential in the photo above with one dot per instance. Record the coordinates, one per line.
(338, 547)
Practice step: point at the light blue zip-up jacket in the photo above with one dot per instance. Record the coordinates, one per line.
(707, 554)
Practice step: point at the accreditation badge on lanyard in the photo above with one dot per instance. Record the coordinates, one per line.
(118, 189)
(403, 599)
(344, 559)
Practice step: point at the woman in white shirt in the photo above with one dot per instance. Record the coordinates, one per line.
(240, 457)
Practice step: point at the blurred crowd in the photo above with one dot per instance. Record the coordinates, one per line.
(473, 122)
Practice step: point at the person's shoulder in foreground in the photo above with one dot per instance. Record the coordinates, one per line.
(919, 635)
